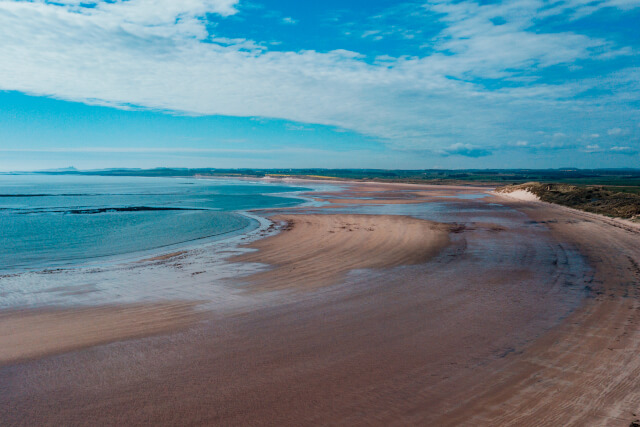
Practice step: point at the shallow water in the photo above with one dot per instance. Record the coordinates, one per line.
(52, 221)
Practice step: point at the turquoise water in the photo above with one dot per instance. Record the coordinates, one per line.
(52, 221)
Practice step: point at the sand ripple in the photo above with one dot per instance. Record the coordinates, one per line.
(317, 250)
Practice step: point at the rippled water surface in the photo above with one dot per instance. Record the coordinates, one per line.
(49, 221)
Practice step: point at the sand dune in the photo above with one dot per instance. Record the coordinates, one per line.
(524, 195)
(317, 250)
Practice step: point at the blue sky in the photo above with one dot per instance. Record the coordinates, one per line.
(378, 83)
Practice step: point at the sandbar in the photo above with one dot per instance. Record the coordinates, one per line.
(316, 250)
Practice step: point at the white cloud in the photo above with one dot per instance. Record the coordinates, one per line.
(164, 18)
(595, 148)
(483, 49)
(298, 128)
(158, 54)
(370, 33)
(614, 131)
(622, 149)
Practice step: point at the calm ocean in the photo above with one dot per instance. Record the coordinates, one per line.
(52, 221)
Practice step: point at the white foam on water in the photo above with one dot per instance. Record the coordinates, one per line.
(201, 274)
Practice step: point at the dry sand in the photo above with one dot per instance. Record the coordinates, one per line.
(317, 250)
(466, 332)
(523, 195)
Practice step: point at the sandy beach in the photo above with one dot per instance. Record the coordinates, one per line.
(29, 334)
(316, 250)
(388, 305)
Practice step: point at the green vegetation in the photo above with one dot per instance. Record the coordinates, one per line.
(632, 190)
(596, 199)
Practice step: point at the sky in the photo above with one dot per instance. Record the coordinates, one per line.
(331, 84)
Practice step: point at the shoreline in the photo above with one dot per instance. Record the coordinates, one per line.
(460, 337)
(122, 259)
(140, 255)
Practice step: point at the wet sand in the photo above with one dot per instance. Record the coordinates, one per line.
(586, 371)
(164, 257)
(390, 194)
(29, 334)
(522, 316)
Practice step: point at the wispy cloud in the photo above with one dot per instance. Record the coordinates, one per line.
(162, 54)
(165, 150)
(625, 150)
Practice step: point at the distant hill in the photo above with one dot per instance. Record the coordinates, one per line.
(67, 169)
(609, 177)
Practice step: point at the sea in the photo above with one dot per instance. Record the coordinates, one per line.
(58, 221)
